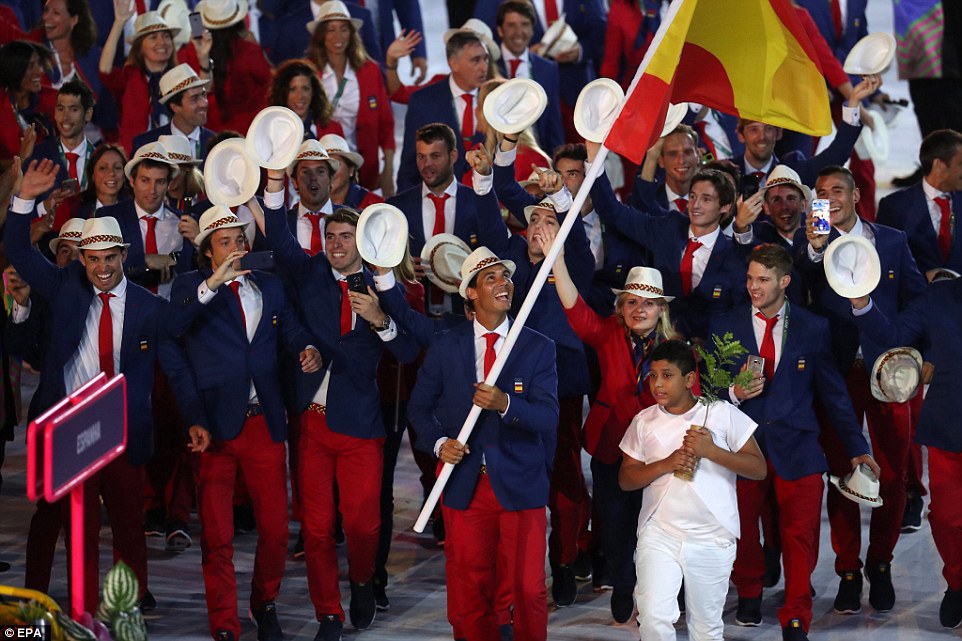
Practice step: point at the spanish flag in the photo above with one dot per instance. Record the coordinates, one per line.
(748, 58)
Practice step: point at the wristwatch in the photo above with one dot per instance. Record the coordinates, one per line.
(384, 326)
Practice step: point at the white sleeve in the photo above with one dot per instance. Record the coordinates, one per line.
(740, 426)
(505, 158)
(274, 199)
(633, 443)
(482, 184)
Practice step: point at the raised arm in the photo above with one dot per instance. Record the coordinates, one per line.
(122, 13)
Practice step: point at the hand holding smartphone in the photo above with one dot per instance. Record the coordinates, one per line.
(756, 365)
(356, 283)
(822, 216)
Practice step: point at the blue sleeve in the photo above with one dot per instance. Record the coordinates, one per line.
(511, 194)
(407, 173)
(833, 394)
(42, 275)
(538, 412)
(420, 327)
(427, 396)
(630, 222)
(291, 259)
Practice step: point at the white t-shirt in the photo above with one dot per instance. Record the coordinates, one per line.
(704, 509)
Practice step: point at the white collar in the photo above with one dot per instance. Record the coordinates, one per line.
(160, 214)
(457, 91)
(508, 56)
(119, 290)
(451, 190)
(501, 330)
(326, 208)
(193, 136)
(931, 192)
(858, 228)
(781, 311)
(80, 150)
(708, 240)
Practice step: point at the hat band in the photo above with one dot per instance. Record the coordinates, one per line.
(221, 222)
(333, 16)
(183, 84)
(643, 287)
(101, 238)
(226, 21)
(782, 181)
(311, 154)
(151, 28)
(446, 281)
(845, 488)
(493, 260)
(335, 150)
(68, 235)
(153, 155)
(180, 157)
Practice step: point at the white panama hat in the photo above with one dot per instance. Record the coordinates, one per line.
(860, 486)
(644, 282)
(180, 78)
(231, 177)
(896, 375)
(482, 30)
(71, 230)
(382, 235)
(480, 259)
(217, 217)
(442, 257)
(598, 104)
(515, 105)
(852, 266)
(220, 14)
(101, 233)
(333, 10)
(870, 55)
(274, 137)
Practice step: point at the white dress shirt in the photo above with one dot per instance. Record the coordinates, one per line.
(193, 138)
(592, 223)
(85, 363)
(305, 227)
(429, 213)
(460, 103)
(672, 197)
(935, 212)
(699, 260)
(168, 238)
(758, 325)
(252, 303)
(349, 103)
(524, 67)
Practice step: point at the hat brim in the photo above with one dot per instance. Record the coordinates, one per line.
(54, 243)
(676, 113)
(590, 128)
(874, 141)
(200, 82)
(312, 25)
(463, 287)
(214, 24)
(871, 265)
(844, 491)
(276, 160)
(429, 252)
(252, 174)
(506, 97)
(205, 233)
(895, 396)
(641, 294)
(374, 253)
(355, 159)
(133, 162)
(871, 55)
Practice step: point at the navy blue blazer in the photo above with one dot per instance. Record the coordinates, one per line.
(930, 322)
(854, 29)
(288, 36)
(152, 135)
(908, 210)
(224, 362)
(144, 341)
(421, 328)
(353, 407)
(518, 449)
(837, 153)
(136, 264)
(785, 411)
(49, 149)
(901, 282)
(548, 129)
(433, 103)
(469, 209)
(722, 285)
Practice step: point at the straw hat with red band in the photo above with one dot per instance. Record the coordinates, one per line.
(334, 10)
(481, 258)
(644, 282)
(178, 149)
(312, 150)
(148, 23)
(180, 78)
(151, 151)
(71, 230)
(217, 217)
(336, 145)
(220, 14)
(102, 233)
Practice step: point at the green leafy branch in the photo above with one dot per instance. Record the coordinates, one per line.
(716, 377)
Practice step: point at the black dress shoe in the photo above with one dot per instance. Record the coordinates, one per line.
(881, 594)
(912, 517)
(265, 619)
(599, 573)
(749, 613)
(330, 629)
(564, 586)
(380, 595)
(154, 522)
(849, 597)
(950, 612)
(363, 607)
(223, 635)
(299, 546)
(622, 604)
(794, 631)
(437, 528)
(681, 598)
(773, 566)
(148, 602)
(178, 539)
(582, 567)
(244, 520)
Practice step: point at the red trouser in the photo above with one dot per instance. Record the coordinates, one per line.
(356, 465)
(170, 472)
(477, 533)
(800, 513)
(914, 470)
(890, 428)
(569, 494)
(261, 461)
(945, 511)
(121, 486)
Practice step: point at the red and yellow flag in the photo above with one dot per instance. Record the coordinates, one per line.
(748, 58)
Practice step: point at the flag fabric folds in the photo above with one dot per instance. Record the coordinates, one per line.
(749, 58)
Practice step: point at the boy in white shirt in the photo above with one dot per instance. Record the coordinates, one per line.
(686, 529)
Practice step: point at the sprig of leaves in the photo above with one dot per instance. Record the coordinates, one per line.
(716, 377)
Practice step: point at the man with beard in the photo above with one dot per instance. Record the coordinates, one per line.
(310, 174)
(439, 204)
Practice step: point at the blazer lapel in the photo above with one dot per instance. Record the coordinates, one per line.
(132, 311)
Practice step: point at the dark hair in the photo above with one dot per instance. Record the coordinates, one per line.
(726, 192)
(687, 131)
(459, 40)
(772, 256)
(79, 89)
(677, 353)
(320, 107)
(833, 170)
(136, 56)
(941, 144)
(435, 132)
(16, 60)
(744, 122)
(222, 41)
(515, 6)
(220, 137)
(570, 151)
(84, 34)
(726, 166)
(89, 195)
(356, 53)
(343, 215)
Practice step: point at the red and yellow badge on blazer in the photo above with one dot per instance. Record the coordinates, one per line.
(518, 386)
(801, 364)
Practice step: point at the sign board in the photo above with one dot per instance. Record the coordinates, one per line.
(76, 438)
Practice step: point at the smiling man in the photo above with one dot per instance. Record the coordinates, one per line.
(310, 174)
(499, 486)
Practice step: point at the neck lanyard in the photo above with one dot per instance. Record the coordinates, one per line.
(340, 90)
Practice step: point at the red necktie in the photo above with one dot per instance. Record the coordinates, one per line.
(514, 66)
(150, 240)
(316, 246)
(105, 337)
(72, 164)
(438, 212)
(945, 226)
(682, 205)
(837, 19)
(687, 264)
(345, 308)
(235, 287)
(701, 126)
(767, 350)
(759, 174)
(550, 11)
(489, 353)
(467, 121)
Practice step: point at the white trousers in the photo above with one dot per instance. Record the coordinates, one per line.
(661, 562)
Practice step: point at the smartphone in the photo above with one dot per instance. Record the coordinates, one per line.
(257, 260)
(356, 283)
(748, 186)
(756, 365)
(823, 222)
(196, 24)
(70, 185)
